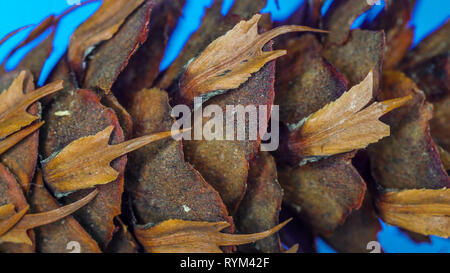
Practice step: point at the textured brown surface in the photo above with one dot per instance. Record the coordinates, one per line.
(87, 117)
(445, 157)
(340, 16)
(440, 124)
(399, 35)
(433, 45)
(342, 125)
(110, 100)
(246, 8)
(362, 52)
(101, 26)
(112, 56)
(408, 159)
(360, 228)
(433, 76)
(429, 66)
(260, 208)
(231, 59)
(11, 193)
(213, 26)
(324, 192)
(143, 67)
(22, 158)
(314, 16)
(161, 184)
(62, 72)
(54, 237)
(224, 164)
(123, 241)
(305, 81)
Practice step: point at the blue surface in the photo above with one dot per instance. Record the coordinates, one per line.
(18, 13)
(369, 15)
(285, 8)
(395, 241)
(190, 20)
(323, 247)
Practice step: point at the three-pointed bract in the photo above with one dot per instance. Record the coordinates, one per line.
(178, 236)
(85, 162)
(231, 59)
(99, 27)
(13, 109)
(9, 217)
(422, 211)
(18, 233)
(341, 126)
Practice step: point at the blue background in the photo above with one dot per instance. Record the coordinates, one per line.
(428, 15)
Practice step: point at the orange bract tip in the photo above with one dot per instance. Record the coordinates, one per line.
(231, 59)
(195, 237)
